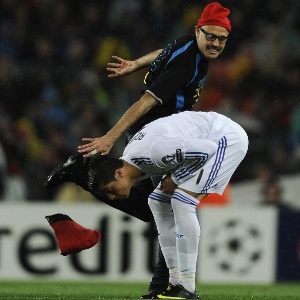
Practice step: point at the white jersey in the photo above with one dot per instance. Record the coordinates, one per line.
(183, 144)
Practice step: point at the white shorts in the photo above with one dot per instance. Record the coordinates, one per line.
(216, 173)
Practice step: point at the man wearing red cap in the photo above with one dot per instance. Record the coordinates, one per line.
(215, 25)
(173, 84)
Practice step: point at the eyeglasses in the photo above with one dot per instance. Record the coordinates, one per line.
(212, 37)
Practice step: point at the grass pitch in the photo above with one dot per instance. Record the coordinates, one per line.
(43, 290)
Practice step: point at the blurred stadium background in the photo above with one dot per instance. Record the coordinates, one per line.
(54, 90)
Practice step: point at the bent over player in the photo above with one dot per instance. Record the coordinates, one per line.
(198, 153)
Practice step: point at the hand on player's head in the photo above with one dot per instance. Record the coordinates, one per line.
(101, 145)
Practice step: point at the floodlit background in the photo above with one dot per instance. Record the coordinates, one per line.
(54, 90)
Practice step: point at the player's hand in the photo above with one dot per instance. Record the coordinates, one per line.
(121, 67)
(93, 146)
(167, 185)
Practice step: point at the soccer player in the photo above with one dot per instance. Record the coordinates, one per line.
(197, 152)
(173, 84)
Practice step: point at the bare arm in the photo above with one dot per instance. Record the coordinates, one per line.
(147, 59)
(124, 67)
(104, 144)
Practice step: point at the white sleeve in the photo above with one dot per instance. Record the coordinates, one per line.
(182, 158)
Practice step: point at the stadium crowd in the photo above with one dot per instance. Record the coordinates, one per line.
(54, 88)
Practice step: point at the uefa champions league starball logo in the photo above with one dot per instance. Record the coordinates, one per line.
(235, 246)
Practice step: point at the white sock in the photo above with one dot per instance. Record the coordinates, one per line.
(188, 281)
(160, 205)
(174, 277)
(188, 236)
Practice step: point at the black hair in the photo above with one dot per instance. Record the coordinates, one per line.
(102, 170)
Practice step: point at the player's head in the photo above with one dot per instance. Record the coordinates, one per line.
(106, 175)
(212, 30)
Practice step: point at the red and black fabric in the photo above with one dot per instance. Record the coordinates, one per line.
(72, 237)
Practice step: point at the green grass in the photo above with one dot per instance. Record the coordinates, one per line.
(42, 290)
